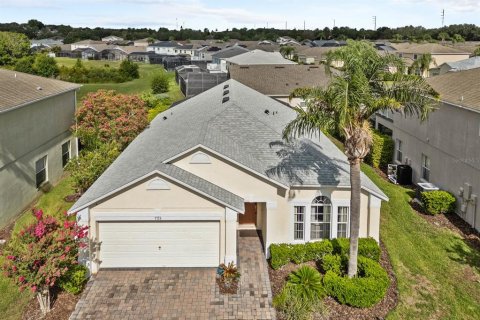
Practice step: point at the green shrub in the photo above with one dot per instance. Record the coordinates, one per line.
(74, 280)
(129, 69)
(381, 151)
(280, 255)
(25, 64)
(45, 66)
(160, 83)
(317, 250)
(306, 283)
(332, 262)
(367, 247)
(89, 165)
(363, 291)
(435, 202)
(298, 253)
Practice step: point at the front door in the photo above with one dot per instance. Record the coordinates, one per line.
(250, 215)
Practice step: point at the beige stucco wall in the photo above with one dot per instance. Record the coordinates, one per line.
(278, 201)
(137, 200)
(26, 135)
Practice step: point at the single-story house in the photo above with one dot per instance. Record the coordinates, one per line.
(208, 167)
(467, 64)
(111, 39)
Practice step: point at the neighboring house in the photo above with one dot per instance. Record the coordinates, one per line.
(440, 54)
(36, 114)
(467, 64)
(286, 40)
(45, 43)
(85, 44)
(208, 167)
(445, 149)
(258, 57)
(329, 43)
(112, 39)
(164, 47)
(219, 62)
(278, 81)
(145, 42)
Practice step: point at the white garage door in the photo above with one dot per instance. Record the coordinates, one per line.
(159, 244)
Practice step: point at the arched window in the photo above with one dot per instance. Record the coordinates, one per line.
(200, 158)
(158, 184)
(320, 218)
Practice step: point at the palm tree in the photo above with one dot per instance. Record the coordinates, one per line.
(423, 64)
(287, 51)
(363, 87)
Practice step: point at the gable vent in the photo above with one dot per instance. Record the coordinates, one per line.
(226, 92)
(226, 86)
(225, 99)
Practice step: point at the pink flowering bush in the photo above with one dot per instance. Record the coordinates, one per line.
(42, 253)
(108, 116)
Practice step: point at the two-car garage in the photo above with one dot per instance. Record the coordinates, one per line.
(145, 244)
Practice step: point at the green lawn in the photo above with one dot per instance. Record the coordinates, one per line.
(147, 71)
(435, 268)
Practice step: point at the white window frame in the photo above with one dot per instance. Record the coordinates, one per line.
(347, 223)
(295, 213)
(69, 151)
(425, 168)
(45, 161)
(335, 203)
(398, 150)
(315, 206)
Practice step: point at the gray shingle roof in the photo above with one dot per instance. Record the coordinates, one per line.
(466, 64)
(240, 130)
(256, 57)
(18, 89)
(229, 52)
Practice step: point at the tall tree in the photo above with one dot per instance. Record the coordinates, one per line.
(13, 46)
(363, 87)
(423, 64)
(287, 51)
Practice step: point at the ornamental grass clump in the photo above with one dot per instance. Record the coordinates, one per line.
(42, 253)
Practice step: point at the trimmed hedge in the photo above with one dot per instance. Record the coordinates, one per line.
(74, 280)
(367, 247)
(435, 202)
(381, 151)
(332, 262)
(283, 253)
(363, 291)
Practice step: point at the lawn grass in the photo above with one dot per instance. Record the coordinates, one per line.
(137, 86)
(433, 265)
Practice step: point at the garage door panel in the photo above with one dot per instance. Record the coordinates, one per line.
(136, 244)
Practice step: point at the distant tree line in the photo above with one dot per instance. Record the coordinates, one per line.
(35, 29)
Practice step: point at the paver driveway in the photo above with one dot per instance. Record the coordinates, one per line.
(180, 293)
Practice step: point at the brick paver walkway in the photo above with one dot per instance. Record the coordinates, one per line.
(180, 293)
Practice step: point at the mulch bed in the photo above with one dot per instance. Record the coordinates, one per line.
(72, 197)
(336, 310)
(232, 289)
(63, 304)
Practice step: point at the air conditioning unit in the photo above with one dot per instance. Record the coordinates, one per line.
(423, 187)
(392, 173)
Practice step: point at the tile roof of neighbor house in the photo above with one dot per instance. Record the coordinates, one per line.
(88, 41)
(433, 48)
(259, 57)
(229, 52)
(18, 89)
(240, 130)
(466, 64)
(459, 88)
(279, 80)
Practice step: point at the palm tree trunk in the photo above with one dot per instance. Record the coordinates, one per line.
(354, 215)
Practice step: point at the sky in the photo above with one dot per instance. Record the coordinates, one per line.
(221, 15)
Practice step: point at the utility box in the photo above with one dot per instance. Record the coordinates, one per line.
(404, 174)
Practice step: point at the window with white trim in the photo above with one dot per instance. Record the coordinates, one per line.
(343, 218)
(65, 153)
(320, 218)
(425, 167)
(298, 222)
(399, 150)
(40, 171)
